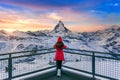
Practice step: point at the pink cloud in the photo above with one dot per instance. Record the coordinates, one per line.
(86, 28)
(18, 21)
(69, 15)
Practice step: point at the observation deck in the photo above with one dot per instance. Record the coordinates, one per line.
(78, 65)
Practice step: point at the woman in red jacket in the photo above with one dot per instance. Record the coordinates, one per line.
(59, 56)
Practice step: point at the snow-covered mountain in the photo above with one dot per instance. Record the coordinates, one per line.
(107, 40)
(60, 30)
(112, 39)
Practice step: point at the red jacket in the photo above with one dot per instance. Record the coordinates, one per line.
(59, 52)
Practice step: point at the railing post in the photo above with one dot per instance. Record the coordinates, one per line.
(10, 67)
(93, 64)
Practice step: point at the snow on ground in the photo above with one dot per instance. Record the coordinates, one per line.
(82, 73)
(34, 74)
(22, 68)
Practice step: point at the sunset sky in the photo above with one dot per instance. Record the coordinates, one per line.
(77, 15)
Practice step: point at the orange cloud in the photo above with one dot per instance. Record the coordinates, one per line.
(13, 20)
(87, 28)
(1, 21)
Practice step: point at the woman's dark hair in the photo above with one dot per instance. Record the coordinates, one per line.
(59, 45)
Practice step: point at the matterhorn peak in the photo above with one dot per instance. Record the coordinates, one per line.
(60, 28)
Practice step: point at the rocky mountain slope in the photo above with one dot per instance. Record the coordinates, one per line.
(107, 40)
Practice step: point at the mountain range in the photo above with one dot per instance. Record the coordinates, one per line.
(107, 40)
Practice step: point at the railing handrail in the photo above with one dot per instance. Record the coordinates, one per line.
(25, 51)
(93, 51)
(65, 49)
(92, 55)
(10, 57)
(26, 55)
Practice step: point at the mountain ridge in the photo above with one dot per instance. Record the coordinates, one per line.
(107, 40)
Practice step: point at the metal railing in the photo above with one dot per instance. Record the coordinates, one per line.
(22, 63)
(95, 64)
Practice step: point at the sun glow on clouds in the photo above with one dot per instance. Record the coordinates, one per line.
(72, 21)
(22, 21)
(87, 28)
(54, 16)
(22, 15)
(8, 30)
